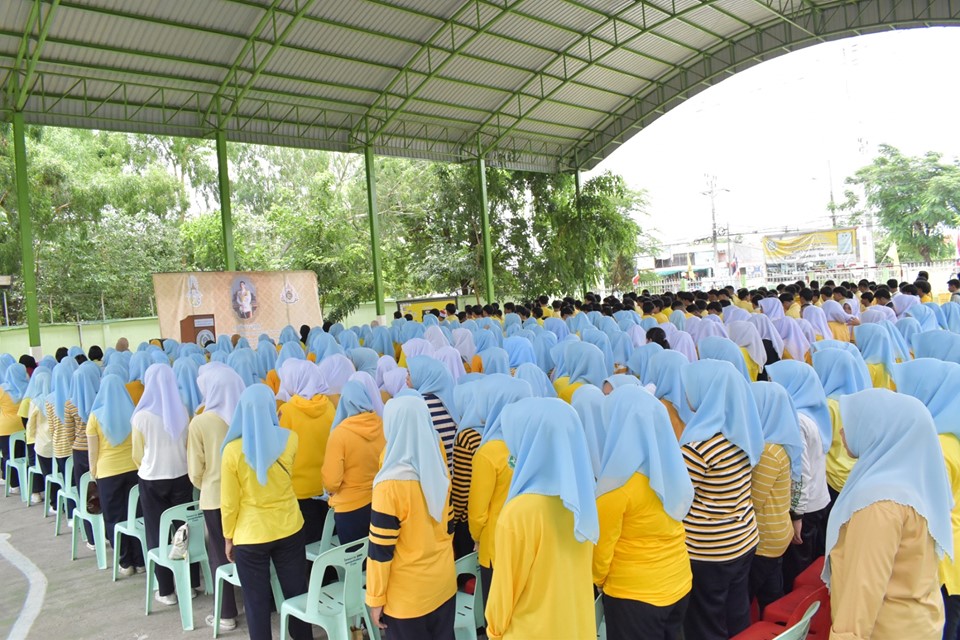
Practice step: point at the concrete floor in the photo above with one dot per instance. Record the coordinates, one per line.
(81, 603)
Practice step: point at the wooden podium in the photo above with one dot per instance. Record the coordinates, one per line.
(198, 329)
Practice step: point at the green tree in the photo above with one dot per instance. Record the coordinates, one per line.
(914, 199)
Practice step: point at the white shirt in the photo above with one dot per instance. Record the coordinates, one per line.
(813, 478)
(163, 457)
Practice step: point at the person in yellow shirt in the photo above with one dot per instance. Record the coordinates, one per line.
(663, 373)
(490, 471)
(838, 320)
(12, 390)
(38, 431)
(111, 463)
(891, 523)
(780, 465)
(411, 579)
(640, 562)
(139, 362)
(261, 521)
(352, 460)
(220, 388)
(937, 385)
(548, 521)
(876, 346)
(583, 363)
(309, 414)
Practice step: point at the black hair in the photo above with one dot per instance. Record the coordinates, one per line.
(397, 315)
(715, 306)
(409, 317)
(62, 353)
(953, 282)
(80, 358)
(28, 361)
(647, 308)
(95, 353)
(658, 336)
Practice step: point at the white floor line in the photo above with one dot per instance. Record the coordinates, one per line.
(36, 592)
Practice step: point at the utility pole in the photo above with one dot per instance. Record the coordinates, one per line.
(712, 192)
(833, 205)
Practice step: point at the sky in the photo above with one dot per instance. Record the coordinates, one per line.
(776, 134)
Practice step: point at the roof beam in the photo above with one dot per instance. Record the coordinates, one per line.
(19, 88)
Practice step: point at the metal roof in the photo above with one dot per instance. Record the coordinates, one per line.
(545, 85)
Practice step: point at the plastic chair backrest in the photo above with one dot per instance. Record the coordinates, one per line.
(133, 500)
(800, 630)
(191, 514)
(68, 472)
(468, 565)
(18, 437)
(349, 559)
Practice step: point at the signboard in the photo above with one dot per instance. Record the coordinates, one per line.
(417, 307)
(247, 303)
(827, 247)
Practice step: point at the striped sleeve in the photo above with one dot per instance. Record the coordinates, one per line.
(384, 530)
(464, 448)
(444, 425)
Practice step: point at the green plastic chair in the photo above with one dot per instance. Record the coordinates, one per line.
(800, 630)
(68, 493)
(18, 464)
(51, 479)
(33, 471)
(469, 615)
(601, 624)
(327, 539)
(190, 514)
(332, 606)
(81, 515)
(132, 526)
(228, 573)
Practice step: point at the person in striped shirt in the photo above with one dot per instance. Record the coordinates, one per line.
(411, 578)
(721, 443)
(780, 465)
(431, 379)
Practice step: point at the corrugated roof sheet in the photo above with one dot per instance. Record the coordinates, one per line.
(543, 84)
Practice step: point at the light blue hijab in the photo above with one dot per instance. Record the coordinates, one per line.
(364, 359)
(519, 351)
(495, 360)
(255, 423)
(244, 362)
(431, 376)
(618, 380)
(641, 440)
(622, 347)
(60, 386)
(139, 363)
(778, 417)
(288, 334)
(16, 381)
(909, 328)
(224, 344)
(717, 348)
(951, 315)
(381, 341)
(493, 393)
(116, 368)
(583, 362)
(579, 323)
(665, 373)
(923, 315)
(186, 371)
(537, 379)
(679, 319)
(113, 408)
(806, 391)
(542, 344)
(413, 452)
(824, 345)
(484, 340)
(354, 400)
(640, 360)
(557, 327)
(841, 375)
(587, 401)
(601, 341)
(39, 387)
(936, 384)
(266, 358)
(83, 388)
(6, 361)
(722, 403)
(875, 345)
(899, 459)
(937, 313)
(546, 440)
(287, 351)
(942, 345)
(901, 350)
(348, 340)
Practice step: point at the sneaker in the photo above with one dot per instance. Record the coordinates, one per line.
(126, 572)
(70, 524)
(91, 547)
(226, 624)
(168, 601)
(141, 569)
(194, 593)
(14, 491)
(36, 498)
(51, 511)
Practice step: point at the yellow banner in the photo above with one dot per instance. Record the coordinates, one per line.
(833, 244)
(418, 307)
(247, 303)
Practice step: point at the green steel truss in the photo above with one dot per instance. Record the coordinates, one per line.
(526, 84)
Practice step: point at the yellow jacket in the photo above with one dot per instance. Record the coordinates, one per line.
(352, 461)
(310, 420)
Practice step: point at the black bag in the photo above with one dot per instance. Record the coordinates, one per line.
(93, 499)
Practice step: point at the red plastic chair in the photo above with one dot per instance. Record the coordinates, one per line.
(766, 630)
(782, 610)
(810, 577)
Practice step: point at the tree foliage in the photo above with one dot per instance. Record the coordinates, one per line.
(914, 199)
(110, 209)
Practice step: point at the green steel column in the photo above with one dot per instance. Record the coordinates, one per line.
(576, 184)
(226, 217)
(371, 171)
(485, 227)
(26, 233)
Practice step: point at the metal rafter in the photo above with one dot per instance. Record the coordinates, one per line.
(18, 89)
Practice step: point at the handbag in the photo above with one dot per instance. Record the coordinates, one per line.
(93, 499)
(180, 543)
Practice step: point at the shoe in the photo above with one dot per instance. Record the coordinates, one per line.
(194, 593)
(226, 624)
(70, 524)
(14, 491)
(91, 547)
(36, 498)
(126, 572)
(141, 569)
(168, 601)
(51, 511)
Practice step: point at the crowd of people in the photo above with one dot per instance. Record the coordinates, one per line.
(682, 455)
